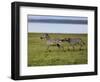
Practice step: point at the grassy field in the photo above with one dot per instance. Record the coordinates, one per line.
(38, 55)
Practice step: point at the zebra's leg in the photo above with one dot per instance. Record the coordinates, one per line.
(48, 48)
(63, 48)
(59, 46)
(82, 43)
(68, 48)
(73, 47)
(80, 46)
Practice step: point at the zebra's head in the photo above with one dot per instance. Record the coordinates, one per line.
(45, 36)
(65, 39)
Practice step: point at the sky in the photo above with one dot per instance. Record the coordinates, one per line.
(57, 24)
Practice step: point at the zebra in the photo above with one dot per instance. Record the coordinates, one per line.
(52, 42)
(74, 41)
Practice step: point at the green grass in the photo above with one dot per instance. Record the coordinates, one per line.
(38, 55)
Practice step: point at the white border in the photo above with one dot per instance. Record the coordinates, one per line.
(25, 70)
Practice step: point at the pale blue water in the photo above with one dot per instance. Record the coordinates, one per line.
(57, 24)
(57, 28)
